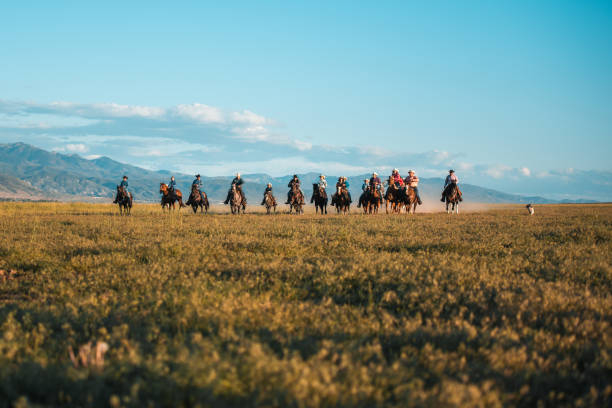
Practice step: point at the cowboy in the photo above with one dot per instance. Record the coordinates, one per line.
(172, 186)
(451, 179)
(412, 181)
(346, 186)
(124, 185)
(295, 181)
(237, 181)
(322, 183)
(268, 190)
(198, 183)
(397, 179)
(364, 189)
(375, 181)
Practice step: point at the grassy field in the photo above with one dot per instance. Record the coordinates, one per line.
(491, 308)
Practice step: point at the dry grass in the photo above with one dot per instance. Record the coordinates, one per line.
(481, 309)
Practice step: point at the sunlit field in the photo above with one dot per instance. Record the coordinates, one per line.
(484, 308)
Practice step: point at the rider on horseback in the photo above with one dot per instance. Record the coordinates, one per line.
(268, 190)
(412, 181)
(295, 181)
(344, 186)
(321, 184)
(397, 179)
(124, 186)
(364, 189)
(450, 180)
(375, 181)
(237, 181)
(198, 184)
(172, 187)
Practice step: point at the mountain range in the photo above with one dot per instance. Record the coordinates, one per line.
(31, 173)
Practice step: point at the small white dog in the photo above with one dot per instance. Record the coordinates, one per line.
(530, 209)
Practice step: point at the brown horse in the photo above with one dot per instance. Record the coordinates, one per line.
(319, 196)
(195, 200)
(392, 197)
(125, 201)
(341, 201)
(452, 197)
(269, 202)
(168, 199)
(237, 202)
(374, 200)
(364, 200)
(410, 200)
(297, 200)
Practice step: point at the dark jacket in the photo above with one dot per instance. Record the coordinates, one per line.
(237, 181)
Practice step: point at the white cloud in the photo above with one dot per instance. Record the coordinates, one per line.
(249, 118)
(201, 113)
(76, 148)
(498, 171)
(525, 171)
(103, 109)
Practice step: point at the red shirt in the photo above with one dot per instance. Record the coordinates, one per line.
(398, 179)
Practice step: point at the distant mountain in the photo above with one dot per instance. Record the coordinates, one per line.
(27, 172)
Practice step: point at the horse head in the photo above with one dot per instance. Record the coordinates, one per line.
(163, 188)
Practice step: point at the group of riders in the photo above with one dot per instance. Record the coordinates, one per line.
(342, 187)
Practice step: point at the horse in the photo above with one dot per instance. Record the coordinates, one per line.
(236, 201)
(319, 196)
(451, 197)
(392, 197)
(410, 200)
(195, 200)
(269, 202)
(341, 201)
(297, 200)
(374, 200)
(169, 199)
(124, 199)
(364, 200)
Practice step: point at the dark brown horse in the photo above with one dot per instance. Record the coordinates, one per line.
(341, 201)
(452, 197)
(125, 201)
(319, 196)
(196, 201)
(374, 200)
(297, 200)
(168, 199)
(269, 202)
(364, 200)
(392, 197)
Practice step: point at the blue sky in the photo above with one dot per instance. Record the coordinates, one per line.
(517, 89)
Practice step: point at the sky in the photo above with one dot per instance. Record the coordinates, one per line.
(514, 95)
